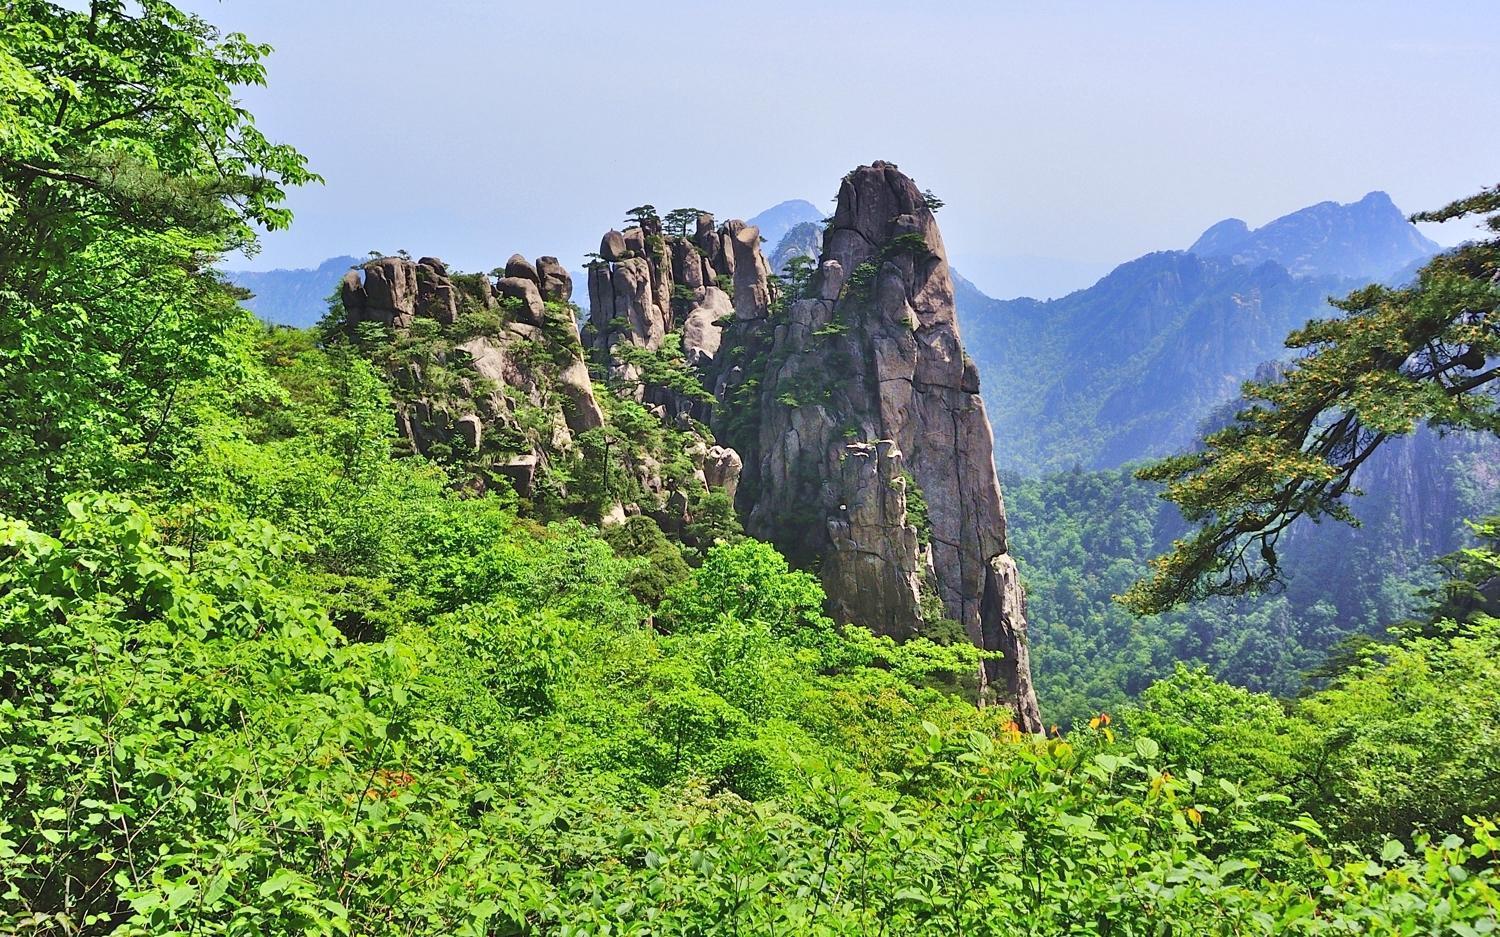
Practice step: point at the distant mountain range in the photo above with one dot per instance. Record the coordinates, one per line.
(1369, 239)
(292, 297)
(1127, 368)
(803, 240)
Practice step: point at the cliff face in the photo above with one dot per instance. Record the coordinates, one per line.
(856, 413)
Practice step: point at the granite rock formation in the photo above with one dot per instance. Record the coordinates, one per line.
(500, 382)
(854, 411)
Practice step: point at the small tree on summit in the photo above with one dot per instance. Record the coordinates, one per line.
(680, 222)
(644, 217)
(794, 282)
(1420, 353)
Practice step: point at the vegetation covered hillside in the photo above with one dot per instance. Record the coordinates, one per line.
(1141, 365)
(1085, 537)
(267, 670)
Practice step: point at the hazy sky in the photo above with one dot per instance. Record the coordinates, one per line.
(1064, 136)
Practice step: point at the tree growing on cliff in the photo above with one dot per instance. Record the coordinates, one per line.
(681, 222)
(644, 217)
(1395, 358)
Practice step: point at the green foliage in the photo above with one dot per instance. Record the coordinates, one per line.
(916, 508)
(748, 580)
(126, 167)
(644, 217)
(661, 565)
(295, 684)
(681, 222)
(1083, 537)
(1402, 743)
(714, 520)
(427, 712)
(794, 282)
(665, 367)
(1408, 738)
(861, 282)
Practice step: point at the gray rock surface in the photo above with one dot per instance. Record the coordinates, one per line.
(612, 246)
(838, 407)
(394, 291)
(518, 266)
(556, 283)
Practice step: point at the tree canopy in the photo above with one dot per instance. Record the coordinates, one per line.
(126, 168)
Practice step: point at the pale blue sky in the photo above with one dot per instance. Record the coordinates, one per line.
(1079, 134)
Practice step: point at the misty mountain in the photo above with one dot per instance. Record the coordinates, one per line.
(776, 221)
(1127, 368)
(803, 240)
(1369, 239)
(292, 297)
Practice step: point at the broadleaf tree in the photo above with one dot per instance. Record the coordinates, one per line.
(127, 166)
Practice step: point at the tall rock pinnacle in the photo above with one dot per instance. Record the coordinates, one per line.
(865, 446)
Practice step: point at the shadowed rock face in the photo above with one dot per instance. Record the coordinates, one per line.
(842, 405)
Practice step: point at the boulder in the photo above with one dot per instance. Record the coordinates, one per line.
(701, 333)
(612, 246)
(526, 299)
(352, 294)
(520, 267)
(520, 471)
(471, 431)
(581, 410)
(556, 285)
(390, 289)
(721, 469)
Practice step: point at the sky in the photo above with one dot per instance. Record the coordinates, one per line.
(1065, 137)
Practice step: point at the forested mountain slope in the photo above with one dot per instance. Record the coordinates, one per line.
(1127, 368)
(294, 639)
(1084, 536)
(1139, 366)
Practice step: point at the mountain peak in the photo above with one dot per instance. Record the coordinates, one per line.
(1221, 238)
(1369, 239)
(776, 221)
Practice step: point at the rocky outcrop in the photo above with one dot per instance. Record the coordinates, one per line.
(497, 387)
(520, 391)
(855, 412)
